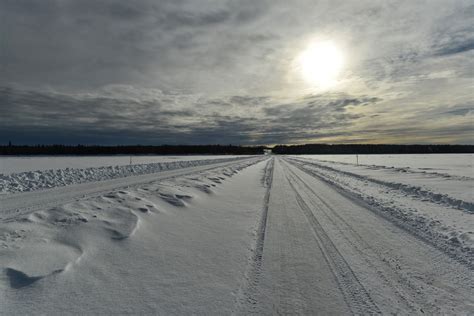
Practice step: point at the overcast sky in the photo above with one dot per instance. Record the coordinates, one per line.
(187, 72)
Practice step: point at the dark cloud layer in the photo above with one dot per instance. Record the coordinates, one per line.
(86, 118)
(456, 48)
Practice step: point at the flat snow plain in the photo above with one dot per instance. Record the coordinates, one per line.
(15, 164)
(237, 235)
(452, 164)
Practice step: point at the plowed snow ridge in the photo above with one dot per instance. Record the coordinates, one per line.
(36, 180)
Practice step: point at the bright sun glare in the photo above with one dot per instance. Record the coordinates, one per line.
(320, 64)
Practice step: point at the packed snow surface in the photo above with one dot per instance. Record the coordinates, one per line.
(264, 235)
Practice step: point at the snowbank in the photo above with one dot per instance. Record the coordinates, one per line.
(43, 179)
(16, 164)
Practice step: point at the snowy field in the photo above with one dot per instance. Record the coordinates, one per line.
(452, 164)
(238, 235)
(436, 177)
(15, 164)
(50, 178)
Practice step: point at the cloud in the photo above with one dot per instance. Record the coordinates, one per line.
(137, 115)
(461, 110)
(181, 71)
(141, 116)
(455, 48)
(454, 33)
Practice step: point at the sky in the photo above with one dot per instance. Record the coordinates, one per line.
(231, 72)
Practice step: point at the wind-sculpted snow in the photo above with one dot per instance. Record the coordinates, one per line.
(43, 179)
(42, 247)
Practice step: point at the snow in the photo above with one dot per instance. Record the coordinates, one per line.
(16, 164)
(452, 164)
(41, 179)
(167, 247)
(439, 204)
(455, 190)
(242, 235)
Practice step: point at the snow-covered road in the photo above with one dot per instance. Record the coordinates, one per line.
(258, 235)
(325, 253)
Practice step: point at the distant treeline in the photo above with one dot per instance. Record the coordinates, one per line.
(321, 149)
(130, 150)
(327, 149)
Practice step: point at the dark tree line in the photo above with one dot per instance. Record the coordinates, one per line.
(130, 150)
(323, 149)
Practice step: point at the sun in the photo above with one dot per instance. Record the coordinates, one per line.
(320, 63)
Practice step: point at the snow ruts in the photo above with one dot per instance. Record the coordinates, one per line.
(399, 271)
(414, 191)
(411, 224)
(356, 296)
(246, 301)
(386, 273)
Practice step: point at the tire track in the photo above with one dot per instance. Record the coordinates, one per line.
(413, 192)
(430, 237)
(246, 302)
(355, 295)
(384, 270)
(400, 278)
